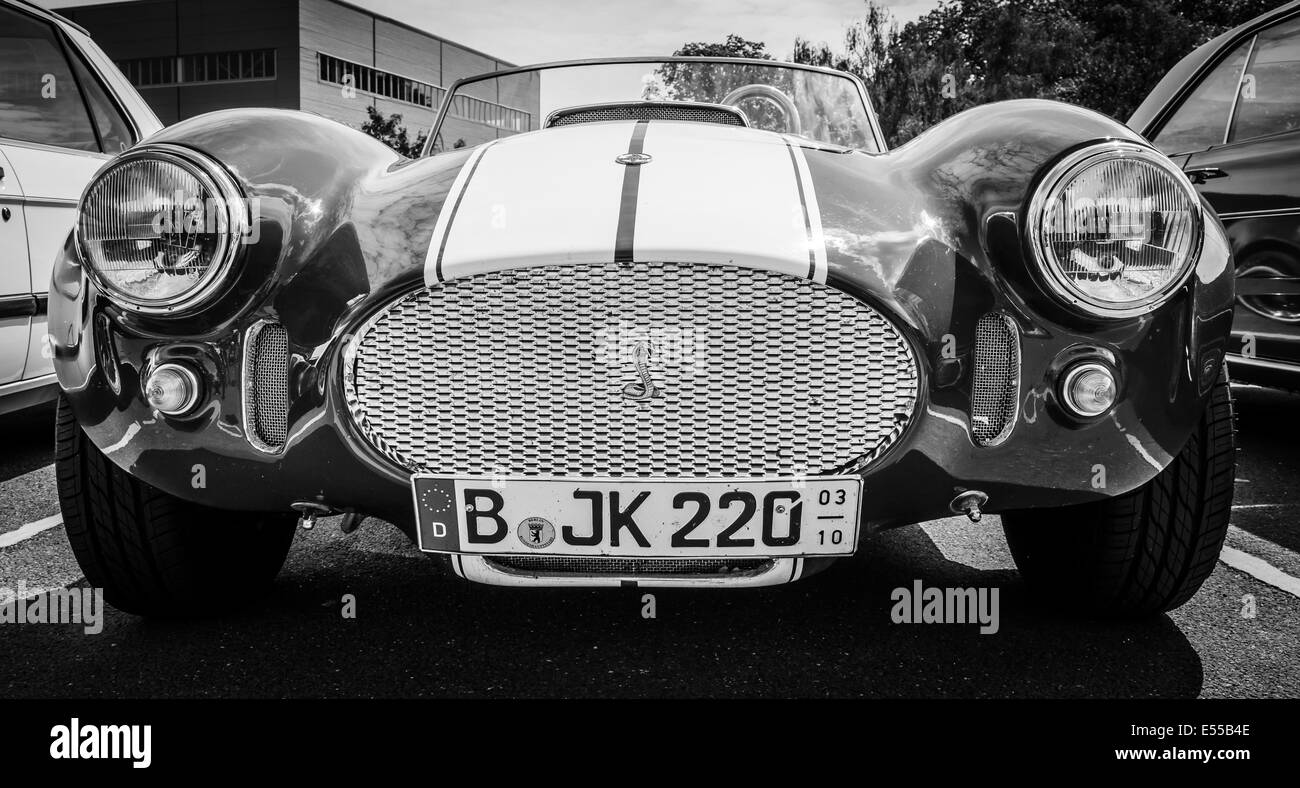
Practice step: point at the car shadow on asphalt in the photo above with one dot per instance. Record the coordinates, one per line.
(420, 631)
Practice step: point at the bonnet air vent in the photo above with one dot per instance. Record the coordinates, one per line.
(266, 386)
(995, 389)
(648, 110)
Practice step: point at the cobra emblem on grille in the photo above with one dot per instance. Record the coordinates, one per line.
(644, 388)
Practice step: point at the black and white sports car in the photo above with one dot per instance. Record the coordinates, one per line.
(697, 326)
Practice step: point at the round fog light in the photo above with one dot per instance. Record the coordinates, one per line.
(172, 389)
(1089, 389)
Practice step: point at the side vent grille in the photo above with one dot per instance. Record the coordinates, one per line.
(266, 386)
(995, 390)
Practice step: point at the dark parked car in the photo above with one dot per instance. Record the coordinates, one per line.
(698, 328)
(1229, 115)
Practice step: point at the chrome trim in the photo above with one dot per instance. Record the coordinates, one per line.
(1014, 384)
(192, 381)
(1241, 80)
(131, 105)
(481, 569)
(46, 14)
(1247, 300)
(1260, 214)
(44, 202)
(1276, 366)
(1238, 333)
(1074, 372)
(1060, 175)
(42, 146)
(248, 388)
(877, 133)
(213, 177)
(19, 386)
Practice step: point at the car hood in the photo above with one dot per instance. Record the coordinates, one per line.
(629, 190)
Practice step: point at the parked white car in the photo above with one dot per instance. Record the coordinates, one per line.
(65, 109)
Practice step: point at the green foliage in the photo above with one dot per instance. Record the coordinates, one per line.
(1101, 54)
(389, 130)
(734, 46)
(712, 82)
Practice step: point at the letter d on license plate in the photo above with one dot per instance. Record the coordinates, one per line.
(639, 518)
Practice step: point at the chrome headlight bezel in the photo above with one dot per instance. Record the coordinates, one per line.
(232, 220)
(1059, 177)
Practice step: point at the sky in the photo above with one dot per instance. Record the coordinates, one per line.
(532, 31)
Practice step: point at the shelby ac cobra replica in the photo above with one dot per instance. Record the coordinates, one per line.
(696, 326)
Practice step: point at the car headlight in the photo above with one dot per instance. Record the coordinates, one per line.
(1115, 229)
(160, 227)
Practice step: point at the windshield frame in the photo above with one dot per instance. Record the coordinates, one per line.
(445, 105)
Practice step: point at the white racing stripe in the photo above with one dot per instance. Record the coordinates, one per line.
(721, 195)
(532, 200)
(816, 238)
(437, 244)
(29, 530)
(710, 194)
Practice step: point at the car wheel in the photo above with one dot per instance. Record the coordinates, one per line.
(153, 553)
(1145, 552)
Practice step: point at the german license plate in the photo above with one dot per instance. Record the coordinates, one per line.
(640, 518)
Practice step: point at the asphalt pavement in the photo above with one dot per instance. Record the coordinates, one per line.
(420, 631)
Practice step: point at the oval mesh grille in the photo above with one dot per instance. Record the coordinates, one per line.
(630, 370)
(997, 377)
(266, 385)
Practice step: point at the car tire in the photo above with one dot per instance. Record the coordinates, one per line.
(1145, 552)
(153, 553)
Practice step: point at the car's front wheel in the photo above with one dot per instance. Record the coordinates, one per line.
(153, 553)
(1145, 552)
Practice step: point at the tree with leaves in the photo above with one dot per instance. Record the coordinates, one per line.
(1102, 54)
(389, 130)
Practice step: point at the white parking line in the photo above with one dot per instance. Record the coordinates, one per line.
(1260, 569)
(29, 530)
(1239, 560)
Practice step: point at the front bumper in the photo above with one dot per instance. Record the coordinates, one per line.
(1047, 460)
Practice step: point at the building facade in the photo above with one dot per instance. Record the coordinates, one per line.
(188, 57)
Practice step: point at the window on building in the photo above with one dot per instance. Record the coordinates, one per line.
(198, 69)
(366, 79)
